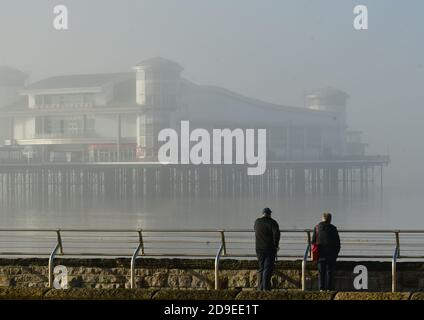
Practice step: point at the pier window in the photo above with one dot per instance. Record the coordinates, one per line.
(63, 127)
(68, 100)
(90, 125)
(313, 137)
(297, 137)
(277, 141)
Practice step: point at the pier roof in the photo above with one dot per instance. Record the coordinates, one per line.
(77, 81)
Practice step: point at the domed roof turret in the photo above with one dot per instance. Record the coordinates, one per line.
(328, 92)
(159, 63)
(328, 99)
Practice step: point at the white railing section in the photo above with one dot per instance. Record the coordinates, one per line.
(383, 245)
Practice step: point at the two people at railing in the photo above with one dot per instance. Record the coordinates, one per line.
(326, 237)
(267, 239)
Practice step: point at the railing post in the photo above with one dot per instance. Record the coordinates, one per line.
(52, 256)
(140, 237)
(223, 241)
(222, 248)
(308, 232)
(59, 241)
(397, 241)
(134, 257)
(394, 262)
(305, 259)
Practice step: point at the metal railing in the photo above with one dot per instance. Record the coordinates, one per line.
(204, 243)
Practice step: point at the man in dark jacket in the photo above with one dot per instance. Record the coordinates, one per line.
(267, 236)
(327, 238)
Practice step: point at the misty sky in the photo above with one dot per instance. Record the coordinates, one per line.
(272, 50)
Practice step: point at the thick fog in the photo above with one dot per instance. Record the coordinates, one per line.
(276, 51)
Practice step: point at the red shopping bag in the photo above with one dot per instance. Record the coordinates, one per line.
(314, 248)
(315, 252)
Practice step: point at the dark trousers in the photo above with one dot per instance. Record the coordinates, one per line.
(326, 267)
(266, 261)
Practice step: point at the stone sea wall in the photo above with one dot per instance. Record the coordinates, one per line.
(199, 274)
